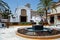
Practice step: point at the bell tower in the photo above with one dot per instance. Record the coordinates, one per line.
(27, 5)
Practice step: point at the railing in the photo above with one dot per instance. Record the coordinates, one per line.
(4, 20)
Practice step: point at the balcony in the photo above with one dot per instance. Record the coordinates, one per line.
(4, 20)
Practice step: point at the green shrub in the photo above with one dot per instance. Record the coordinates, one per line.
(40, 22)
(25, 23)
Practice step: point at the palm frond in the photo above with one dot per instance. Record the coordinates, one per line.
(5, 4)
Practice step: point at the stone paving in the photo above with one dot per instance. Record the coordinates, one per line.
(9, 34)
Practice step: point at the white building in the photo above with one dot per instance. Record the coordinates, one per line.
(24, 14)
(54, 17)
(2, 21)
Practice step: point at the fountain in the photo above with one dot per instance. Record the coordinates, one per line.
(37, 31)
(37, 26)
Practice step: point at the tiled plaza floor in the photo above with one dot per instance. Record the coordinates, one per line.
(9, 34)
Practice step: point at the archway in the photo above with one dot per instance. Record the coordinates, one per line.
(52, 19)
(23, 16)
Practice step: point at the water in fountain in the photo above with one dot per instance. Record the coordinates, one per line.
(37, 26)
(38, 30)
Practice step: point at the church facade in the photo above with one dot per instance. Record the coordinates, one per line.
(24, 14)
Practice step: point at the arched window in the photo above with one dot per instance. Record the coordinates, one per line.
(23, 12)
(58, 16)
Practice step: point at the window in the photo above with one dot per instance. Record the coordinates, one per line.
(23, 12)
(58, 17)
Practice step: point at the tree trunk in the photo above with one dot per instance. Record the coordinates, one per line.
(46, 17)
(8, 22)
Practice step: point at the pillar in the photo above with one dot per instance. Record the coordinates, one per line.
(49, 20)
(55, 19)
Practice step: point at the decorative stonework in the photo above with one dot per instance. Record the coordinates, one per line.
(23, 12)
(39, 37)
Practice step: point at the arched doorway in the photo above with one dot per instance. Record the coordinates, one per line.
(52, 19)
(23, 16)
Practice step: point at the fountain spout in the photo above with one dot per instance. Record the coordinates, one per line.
(37, 22)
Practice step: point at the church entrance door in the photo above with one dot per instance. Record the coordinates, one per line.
(23, 18)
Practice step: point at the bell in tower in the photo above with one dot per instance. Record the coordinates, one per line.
(27, 5)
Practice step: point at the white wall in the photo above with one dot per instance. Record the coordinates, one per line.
(1, 25)
(54, 11)
(18, 13)
(28, 15)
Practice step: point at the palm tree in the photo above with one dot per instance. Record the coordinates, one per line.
(59, 1)
(45, 5)
(5, 9)
(41, 11)
(4, 4)
(6, 14)
(53, 7)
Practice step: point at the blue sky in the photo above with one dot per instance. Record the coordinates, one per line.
(13, 3)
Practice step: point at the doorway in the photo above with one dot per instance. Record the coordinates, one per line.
(52, 19)
(23, 18)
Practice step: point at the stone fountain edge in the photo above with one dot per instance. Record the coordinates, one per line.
(38, 37)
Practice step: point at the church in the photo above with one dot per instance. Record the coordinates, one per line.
(24, 14)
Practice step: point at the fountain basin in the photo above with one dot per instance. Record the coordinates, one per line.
(39, 37)
(38, 34)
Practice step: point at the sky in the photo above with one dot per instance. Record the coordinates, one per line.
(13, 4)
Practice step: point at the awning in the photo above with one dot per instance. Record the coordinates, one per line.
(53, 14)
